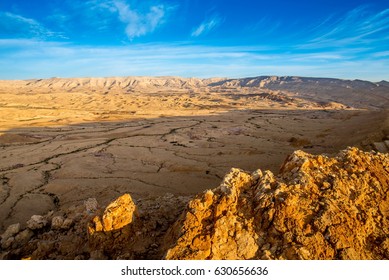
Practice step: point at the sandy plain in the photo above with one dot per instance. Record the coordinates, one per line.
(63, 141)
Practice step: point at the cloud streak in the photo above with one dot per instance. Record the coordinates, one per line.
(206, 26)
(358, 27)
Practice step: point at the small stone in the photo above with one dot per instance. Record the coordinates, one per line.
(304, 253)
(288, 237)
(267, 255)
(37, 222)
(326, 185)
(380, 147)
(257, 174)
(266, 247)
(67, 223)
(23, 237)
(91, 205)
(11, 231)
(6, 243)
(57, 222)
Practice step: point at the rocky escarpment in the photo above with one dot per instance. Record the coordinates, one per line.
(317, 207)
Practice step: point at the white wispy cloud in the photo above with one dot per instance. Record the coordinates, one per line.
(17, 26)
(381, 54)
(360, 26)
(140, 23)
(107, 5)
(266, 26)
(206, 26)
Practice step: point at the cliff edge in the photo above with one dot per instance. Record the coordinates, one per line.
(317, 207)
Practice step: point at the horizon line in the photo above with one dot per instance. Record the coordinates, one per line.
(192, 77)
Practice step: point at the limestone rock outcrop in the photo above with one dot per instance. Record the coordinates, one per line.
(117, 215)
(316, 208)
(115, 228)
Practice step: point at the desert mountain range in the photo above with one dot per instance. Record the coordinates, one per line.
(354, 93)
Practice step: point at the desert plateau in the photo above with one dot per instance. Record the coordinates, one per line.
(268, 167)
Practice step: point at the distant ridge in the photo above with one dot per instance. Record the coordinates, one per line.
(383, 83)
(179, 82)
(353, 93)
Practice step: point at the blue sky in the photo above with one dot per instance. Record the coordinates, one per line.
(194, 38)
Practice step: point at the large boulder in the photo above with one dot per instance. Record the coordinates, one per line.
(114, 228)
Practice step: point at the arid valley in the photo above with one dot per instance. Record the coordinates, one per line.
(163, 140)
